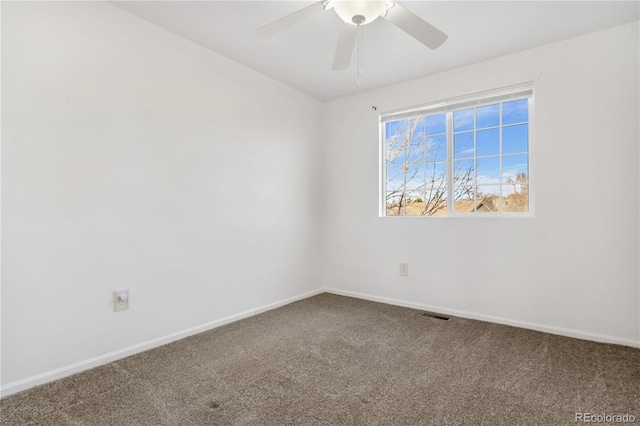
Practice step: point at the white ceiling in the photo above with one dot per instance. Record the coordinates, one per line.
(302, 55)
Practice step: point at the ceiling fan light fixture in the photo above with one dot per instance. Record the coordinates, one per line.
(361, 12)
(358, 13)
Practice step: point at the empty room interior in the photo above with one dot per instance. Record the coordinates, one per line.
(335, 212)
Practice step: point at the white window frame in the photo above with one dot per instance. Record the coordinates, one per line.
(505, 94)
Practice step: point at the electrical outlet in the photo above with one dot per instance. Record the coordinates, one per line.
(121, 300)
(404, 269)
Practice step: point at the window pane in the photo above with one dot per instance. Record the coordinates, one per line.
(417, 149)
(463, 172)
(415, 177)
(488, 170)
(515, 111)
(393, 143)
(436, 175)
(463, 145)
(488, 116)
(515, 168)
(392, 128)
(515, 199)
(463, 120)
(488, 199)
(399, 129)
(488, 142)
(416, 127)
(414, 205)
(395, 158)
(435, 202)
(394, 147)
(515, 139)
(464, 199)
(395, 203)
(436, 124)
(395, 178)
(437, 148)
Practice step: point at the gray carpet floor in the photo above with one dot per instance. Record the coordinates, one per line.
(335, 360)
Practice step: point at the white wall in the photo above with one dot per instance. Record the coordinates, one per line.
(573, 268)
(132, 158)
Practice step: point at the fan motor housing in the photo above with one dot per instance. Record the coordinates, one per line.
(360, 12)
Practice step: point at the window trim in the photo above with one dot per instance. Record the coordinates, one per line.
(475, 100)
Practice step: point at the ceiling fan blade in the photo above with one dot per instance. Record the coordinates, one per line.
(289, 20)
(416, 27)
(344, 49)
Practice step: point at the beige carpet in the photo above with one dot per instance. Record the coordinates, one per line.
(335, 360)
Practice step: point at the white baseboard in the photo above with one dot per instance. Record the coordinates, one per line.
(78, 367)
(488, 318)
(49, 376)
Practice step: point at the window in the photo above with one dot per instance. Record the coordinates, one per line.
(465, 156)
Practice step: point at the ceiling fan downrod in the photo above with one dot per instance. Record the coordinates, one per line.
(359, 13)
(360, 49)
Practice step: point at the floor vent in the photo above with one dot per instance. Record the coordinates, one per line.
(436, 316)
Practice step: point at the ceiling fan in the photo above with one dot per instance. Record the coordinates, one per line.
(358, 13)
